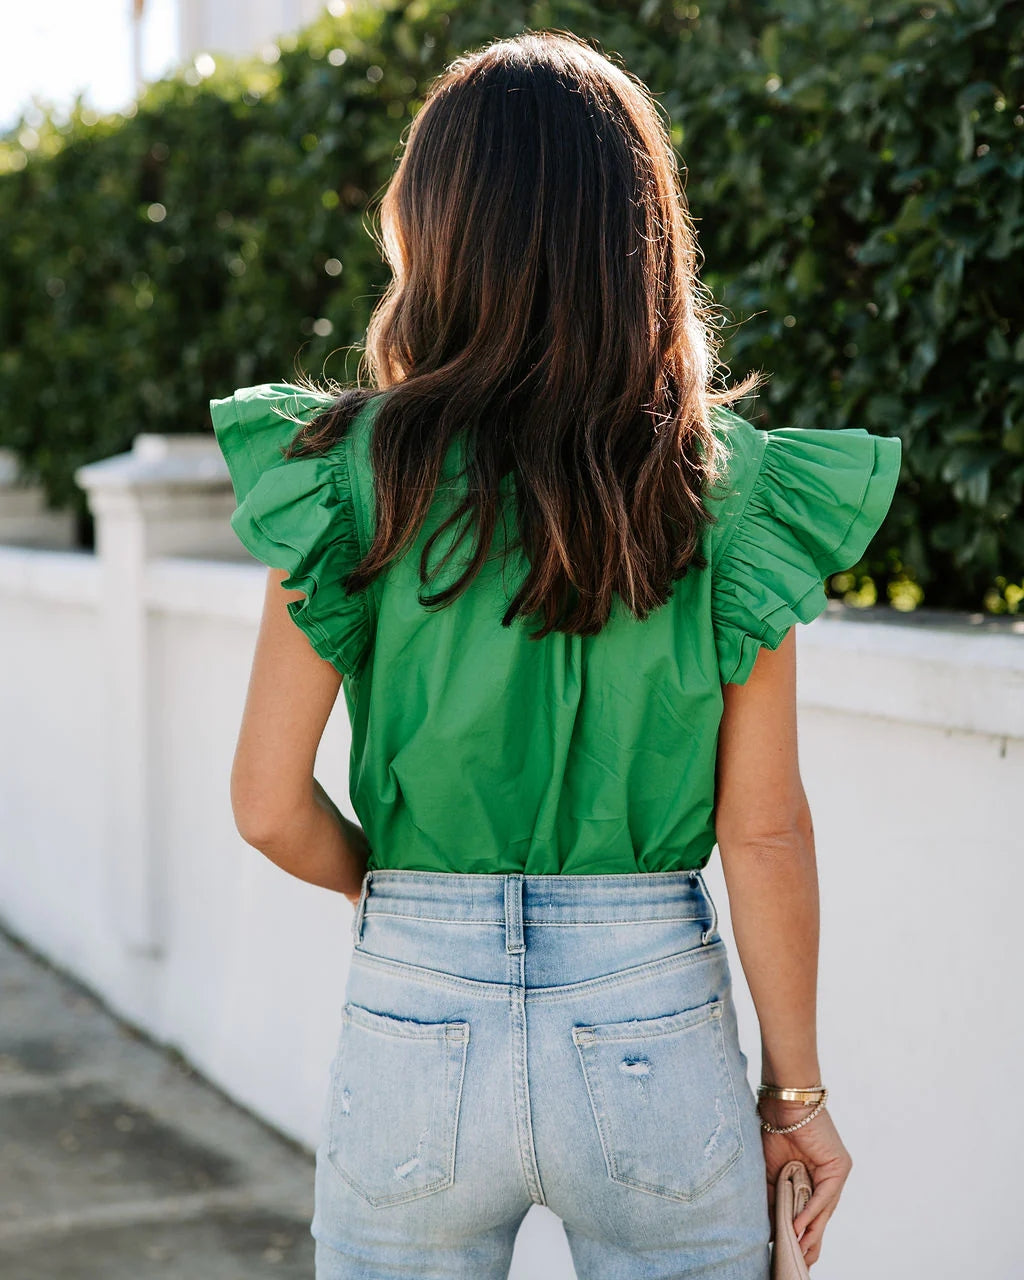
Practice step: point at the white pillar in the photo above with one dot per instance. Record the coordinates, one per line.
(171, 495)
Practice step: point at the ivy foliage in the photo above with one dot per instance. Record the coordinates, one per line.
(855, 169)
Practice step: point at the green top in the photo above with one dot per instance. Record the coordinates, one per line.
(477, 749)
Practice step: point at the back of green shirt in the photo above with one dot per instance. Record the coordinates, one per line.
(477, 749)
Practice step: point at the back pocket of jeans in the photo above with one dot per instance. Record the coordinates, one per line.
(396, 1090)
(663, 1101)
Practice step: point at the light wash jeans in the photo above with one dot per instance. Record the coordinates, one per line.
(509, 1040)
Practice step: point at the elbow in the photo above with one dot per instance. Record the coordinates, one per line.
(262, 818)
(784, 840)
(263, 829)
(261, 835)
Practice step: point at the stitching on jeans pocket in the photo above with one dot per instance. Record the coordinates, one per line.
(395, 1097)
(663, 1101)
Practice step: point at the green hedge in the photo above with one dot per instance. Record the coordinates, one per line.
(855, 168)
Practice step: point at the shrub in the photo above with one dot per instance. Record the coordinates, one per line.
(855, 169)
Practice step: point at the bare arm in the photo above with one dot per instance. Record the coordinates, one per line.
(766, 841)
(278, 805)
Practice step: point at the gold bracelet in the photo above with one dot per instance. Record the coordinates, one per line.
(809, 1095)
(770, 1128)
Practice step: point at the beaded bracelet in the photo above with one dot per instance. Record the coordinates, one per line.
(770, 1128)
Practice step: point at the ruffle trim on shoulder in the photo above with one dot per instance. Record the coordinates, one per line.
(818, 498)
(297, 514)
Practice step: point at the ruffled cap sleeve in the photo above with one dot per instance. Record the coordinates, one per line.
(297, 514)
(804, 503)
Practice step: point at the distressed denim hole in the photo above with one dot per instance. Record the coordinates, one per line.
(396, 1092)
(663, 1102)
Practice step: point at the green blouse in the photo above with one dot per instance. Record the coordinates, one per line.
(477, 749)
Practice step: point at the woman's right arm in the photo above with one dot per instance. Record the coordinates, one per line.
(766, 843)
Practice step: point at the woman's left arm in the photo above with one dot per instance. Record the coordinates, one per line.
(279, 807)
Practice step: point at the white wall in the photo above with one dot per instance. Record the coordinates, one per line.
(921, 866)
(912, 752)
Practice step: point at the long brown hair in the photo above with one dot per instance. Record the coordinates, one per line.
(545, 303)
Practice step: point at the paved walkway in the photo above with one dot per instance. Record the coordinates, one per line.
(117, 1162)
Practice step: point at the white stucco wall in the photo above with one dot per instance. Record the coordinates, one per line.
(921, 865)
(912, 752)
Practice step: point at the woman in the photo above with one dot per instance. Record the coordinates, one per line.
(556, 577)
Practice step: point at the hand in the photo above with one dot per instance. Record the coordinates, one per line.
(828, 1162)
(352, 897)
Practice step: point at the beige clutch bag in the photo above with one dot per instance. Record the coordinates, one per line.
(792, 1191)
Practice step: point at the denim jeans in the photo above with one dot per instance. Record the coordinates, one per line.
(509, 1040)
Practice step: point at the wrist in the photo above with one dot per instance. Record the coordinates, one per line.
(779, 1106)
(781, 1117)
(791, 1071)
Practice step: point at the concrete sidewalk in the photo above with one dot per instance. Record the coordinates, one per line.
(118, 1162)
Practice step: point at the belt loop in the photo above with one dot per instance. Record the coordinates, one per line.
(514, 941)
(357, 919)
(707, 934)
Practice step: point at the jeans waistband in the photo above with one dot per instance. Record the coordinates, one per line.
(514, 899)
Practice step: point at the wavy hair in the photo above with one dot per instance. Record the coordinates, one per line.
(545, 304)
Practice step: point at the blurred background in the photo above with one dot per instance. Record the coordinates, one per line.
(186, 200)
